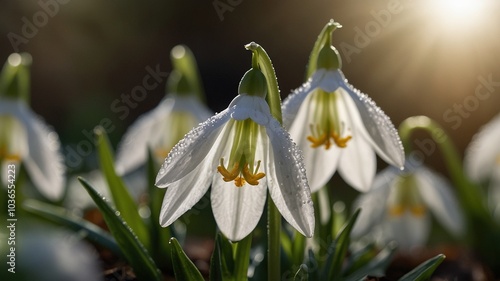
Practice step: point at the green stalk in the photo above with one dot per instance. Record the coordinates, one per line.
(468, 192)
(323, 38)
(273, 98)
(242, 258)
(15, 77)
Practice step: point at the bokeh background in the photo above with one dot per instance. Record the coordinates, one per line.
(415, 57)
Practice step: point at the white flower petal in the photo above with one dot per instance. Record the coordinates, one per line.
(409, 231)
(44, 162)
(438, 196)
(293, 103)
(183, 194)
(373, 204)
(320, 163)
(287, 182)
(132, 151)
(154, 126)
(192, 149)
(192, 105)
(483, 152)
(358, 164)
(375, 123)
(237, 210)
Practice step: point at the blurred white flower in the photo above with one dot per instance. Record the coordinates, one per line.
(336, 126)
(242, 152)
(24, 137)
(159, 129)
(400, 205)
(482, 161)
(47, 255)
(77, 199)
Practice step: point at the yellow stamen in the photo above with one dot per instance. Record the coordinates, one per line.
(418, 210)
(399, 210)
(340, 142)
(239, 182)
(324, 139)
(228, 175)
(252, 179)
(9, 157)
(317, 142)
(396, 210)
(240, 177)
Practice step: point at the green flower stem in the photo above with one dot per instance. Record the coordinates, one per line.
(241, 258)
(323, 38)
(15, 77)
(274, 100)
(184, 62)
(468, 192)
(273, 97)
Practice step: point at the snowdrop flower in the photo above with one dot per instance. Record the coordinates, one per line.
(482, 161)
(161, 128)
(242, 152)
(24, 137)
(401, 204)
(338, 127)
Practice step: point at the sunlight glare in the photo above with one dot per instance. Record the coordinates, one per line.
(456, 13)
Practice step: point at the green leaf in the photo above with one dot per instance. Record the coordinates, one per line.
(424, 270)
(286, 244)
(61, 216)
(298, 248)
(121, 196)
(133, 250)
(314, 272)
(222, 261)
(184, 268)
(159, 236)
(342, 244)
(375, 266)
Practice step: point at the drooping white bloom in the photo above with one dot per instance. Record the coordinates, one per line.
(482, 161)
(242, 152)
(338, 127)
(400, 204)
(26, 139)
(159, 130)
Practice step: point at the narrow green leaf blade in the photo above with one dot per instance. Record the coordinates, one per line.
(133, 250)
(62, 217)
(121, 196)
(222, 261)
(342, 242)
(376, 266)
(424, 270)
(184, 268)
(159, 236)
